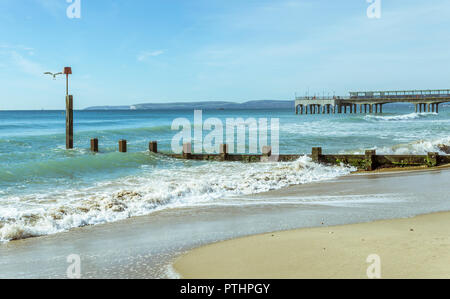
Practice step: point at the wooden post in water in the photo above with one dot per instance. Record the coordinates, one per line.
(122, 146)
(69, 122)
(316, 153)
(432, 159)
(187, 150)
(153, 147)
(266, 153)
(69, 111)
(94, 145)
(370, 159)
(224, 152)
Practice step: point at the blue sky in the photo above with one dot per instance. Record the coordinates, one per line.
(126, 52)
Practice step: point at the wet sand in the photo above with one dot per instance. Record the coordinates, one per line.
(145, 247)
(416, 247)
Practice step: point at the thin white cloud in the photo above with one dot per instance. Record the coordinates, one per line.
(25, 65)
(54, 7)
(144, 55)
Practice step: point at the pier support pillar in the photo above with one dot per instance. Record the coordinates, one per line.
(122, 146)
(316, 154)
(328, 109)
(69, 122)
(94, 145)
(153, 147)
(432, 159)
(381, 108)
(187, 150)
(370, 160)
(417, 108)
(437, 107)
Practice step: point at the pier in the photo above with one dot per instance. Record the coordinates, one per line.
(372, 102)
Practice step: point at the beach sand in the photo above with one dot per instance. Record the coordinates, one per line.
(416, 247)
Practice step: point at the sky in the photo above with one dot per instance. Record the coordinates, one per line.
(126, 52)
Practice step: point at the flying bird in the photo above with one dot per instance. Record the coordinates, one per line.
(54, 75)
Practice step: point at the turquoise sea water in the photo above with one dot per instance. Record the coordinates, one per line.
(47, 189)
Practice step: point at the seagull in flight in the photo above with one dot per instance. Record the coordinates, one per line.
(54, 75)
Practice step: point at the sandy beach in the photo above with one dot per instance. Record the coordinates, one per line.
(416, 247)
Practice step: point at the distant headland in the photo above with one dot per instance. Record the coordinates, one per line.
(207, 105)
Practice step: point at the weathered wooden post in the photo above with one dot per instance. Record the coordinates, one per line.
(153, 147)
(316, 154)
(122, 146)
(69, 122)
(432, 159)
(370, 160)
(94, 145)
(224, 152)
(187, 150)
(266, 153)
(69, 111)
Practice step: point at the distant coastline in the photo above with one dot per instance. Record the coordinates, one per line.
(207, 105)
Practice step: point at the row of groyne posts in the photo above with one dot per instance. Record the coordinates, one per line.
(372, 101)
(368, 161)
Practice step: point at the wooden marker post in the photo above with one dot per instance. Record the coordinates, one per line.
(69, 111)
(69, 122)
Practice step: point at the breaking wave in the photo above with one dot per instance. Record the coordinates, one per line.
(42, 214)
(405, 117)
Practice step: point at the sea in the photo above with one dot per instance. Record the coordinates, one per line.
(46, 189)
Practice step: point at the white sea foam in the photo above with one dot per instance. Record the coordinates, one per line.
(41, 214)
(405, 117)
(421, 147)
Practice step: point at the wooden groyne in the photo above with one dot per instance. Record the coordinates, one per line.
(369, 161)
